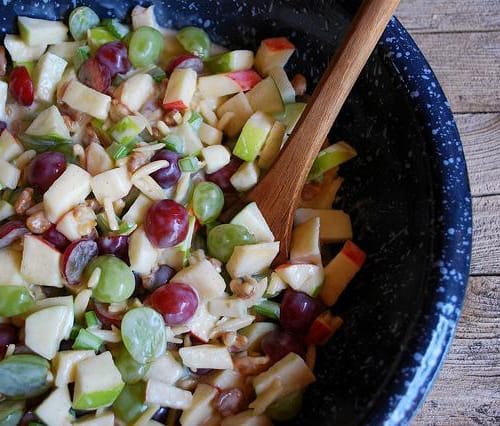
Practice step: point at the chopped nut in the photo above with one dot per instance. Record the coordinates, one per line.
(85, 218)
(24, 201)
(243, 288)
(135, 161)
(229, 401)
(251, 365)
(89, 136)
(299, 83)
(38, 223)
(35, 209)
(71, 124)
(117, 111)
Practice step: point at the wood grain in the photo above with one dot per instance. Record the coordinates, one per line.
(468, 388)
(467, 66)
(480, 135)
(421, 16)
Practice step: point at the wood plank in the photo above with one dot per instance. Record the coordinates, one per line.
(480, 135)
(449, 15)
(467, 390)
(486, 236)
(467, 66)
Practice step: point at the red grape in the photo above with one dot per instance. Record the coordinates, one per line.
(176, 302)
(75, 258)
(21, 86)
(114, 57)
(168, 176)
(116, 245)
(44, 169)
(11, 231)
(161, 415)
(3, 126)
(166, 223)
(94, 74)
(185, 61)
(106, 317)
(8, 335)
(278, 343)
(221, 177)
(298, 311)
(229, 401)
(158, 278)
(54, 237)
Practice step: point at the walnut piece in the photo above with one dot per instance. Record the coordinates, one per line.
(38, 223)
(24, 201)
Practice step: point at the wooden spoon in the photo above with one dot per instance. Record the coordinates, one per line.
(277, 194)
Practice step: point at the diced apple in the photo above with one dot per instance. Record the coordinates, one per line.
(335, 225)
(173, 257)
(253, 136)
(44, 330)
(40, 264)
(273, 52)
(216, 157)
(113, 184)
(192, 142)
(66, 49)
(227, 307)
(49, 124)
(9, 174)
(68, 226)
(142, 254)
(302, 277)
(204, 278)
(323, 328)
(252, 259)
(166, 369)
(201, 407)
(272, 146)
(59, 301)
(290, 115)
(256, 332)
(135, 91)
(64, 364)
(267, 397)
(226, 379)
(330, 158)
(97, 382)
(137, 211)
(10, 272)
(6, 210)
(4, 93)
(10, 148)
(251, 218)
(206, 356)
(180, 89)
(246, 79)
(276, 285)
(87, 100)
(210, 135)
(97, 160)
(247, 418)
(202, 323)
(41, 31)
(69, 190)
(54, 410)
(160, 393)
(239, 105)
(144, 17)
(236, 60)
(305, 242)
(127, 129)
(323, 193)
(214, 86)
(258, 293)
(48, 72)
(340, 271)
(265, 97)
(246, 177)
(104, 419)
(19, 51)
(284, 85)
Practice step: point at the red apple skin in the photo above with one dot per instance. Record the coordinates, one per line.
(176, 105)
(354, 253)
(246, 79)
(278, 43)
(11, 231)
(323, 328)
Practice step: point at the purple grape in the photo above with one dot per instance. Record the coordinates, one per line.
(168, 176)
(158, 278)
(161, 415)
(44, 169)
(176, 302)
(75, 259)
(116, 245)
(8, 335)
(166, 223)
(298, 311)
(54, 237)
(114, 57)
(3, 126)
(278, 343)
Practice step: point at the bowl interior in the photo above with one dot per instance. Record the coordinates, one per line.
(387, 189)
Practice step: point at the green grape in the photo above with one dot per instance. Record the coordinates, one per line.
(14, 300)
(195, 41)
(131, 370)
(11, 412)
(81, 20)
(24, 376)
(116, 282)
(143, 334)
(130, 403)
(223, 239)
(145, 46)
(208, 201)
(285, 408)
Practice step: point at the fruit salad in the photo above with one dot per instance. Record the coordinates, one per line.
(125, 299)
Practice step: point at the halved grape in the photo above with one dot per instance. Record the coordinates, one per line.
(158, 278)
(54, 237)
(11, 231)
(224, 238)
(44, 169)
(21, 86)
(145, 46)
(208, 201)
(114, 56)
(94, 74)
(107, 317)
(278, 343)
(299, 310)
(81, 20)
(195, 41)
(75, 259)
(116, 245)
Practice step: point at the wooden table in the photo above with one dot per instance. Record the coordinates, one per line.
(461, 40)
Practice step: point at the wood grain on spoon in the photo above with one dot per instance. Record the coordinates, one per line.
(277, 194)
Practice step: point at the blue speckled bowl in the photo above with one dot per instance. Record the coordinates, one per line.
(407, 193)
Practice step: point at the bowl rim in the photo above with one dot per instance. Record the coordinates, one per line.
(431, 337)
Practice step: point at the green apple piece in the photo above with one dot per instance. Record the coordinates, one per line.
(127, 129)
(11, 412)
(166, 369)
(202, 323)
(242, 110)
(201, 407)
(143, 255)
(335, 225)
(290, 115)
(210, 135)
(97, 383)
(135, 91)
(236, 60)
(302, 277)
(104, 419)
(284, 85)
(217, 85)
(273, 52)
(204, 278)
(216, 157)
(87, 100)
(137, 211)
(98, 36)
(45, 330)
(48, 72)
(252, 219)
(10, 148)
(6, 210)
(64, 365)
(9, 175)
(159, 393)
(305, 243)
(69, 190)
(256, 332)
(66, 49)
(54, 410)
(4, 91)
(10, 272)
(272, 146)
(253, 136)
(246, 177)
(40, 262)
(40, 31)
(14, 300)
(192, 142)
(331, 157)
(97, 159)
(206, 356)
(276, 285)
(19, 51)
(265, 96)
(180, 89)
(252, 259)
(49, 124)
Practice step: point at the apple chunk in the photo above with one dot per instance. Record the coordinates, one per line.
(142, 254)
(64, 365)
(335, 225)
(217, 85)
(253, 136)
(10, 272)
(54, 410)
(206, 356)
(180, 89)
(9, 175)
(252, 259)
(305, 242)
(251, 218)
(113, 184)
(266, 97)
(330, 158)
(201, 407)
(87, 100)
(236, 60)
(10, 148)
(135, 91)
(273, 52)
(302, 277)
(40, 264)
(242, 110)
